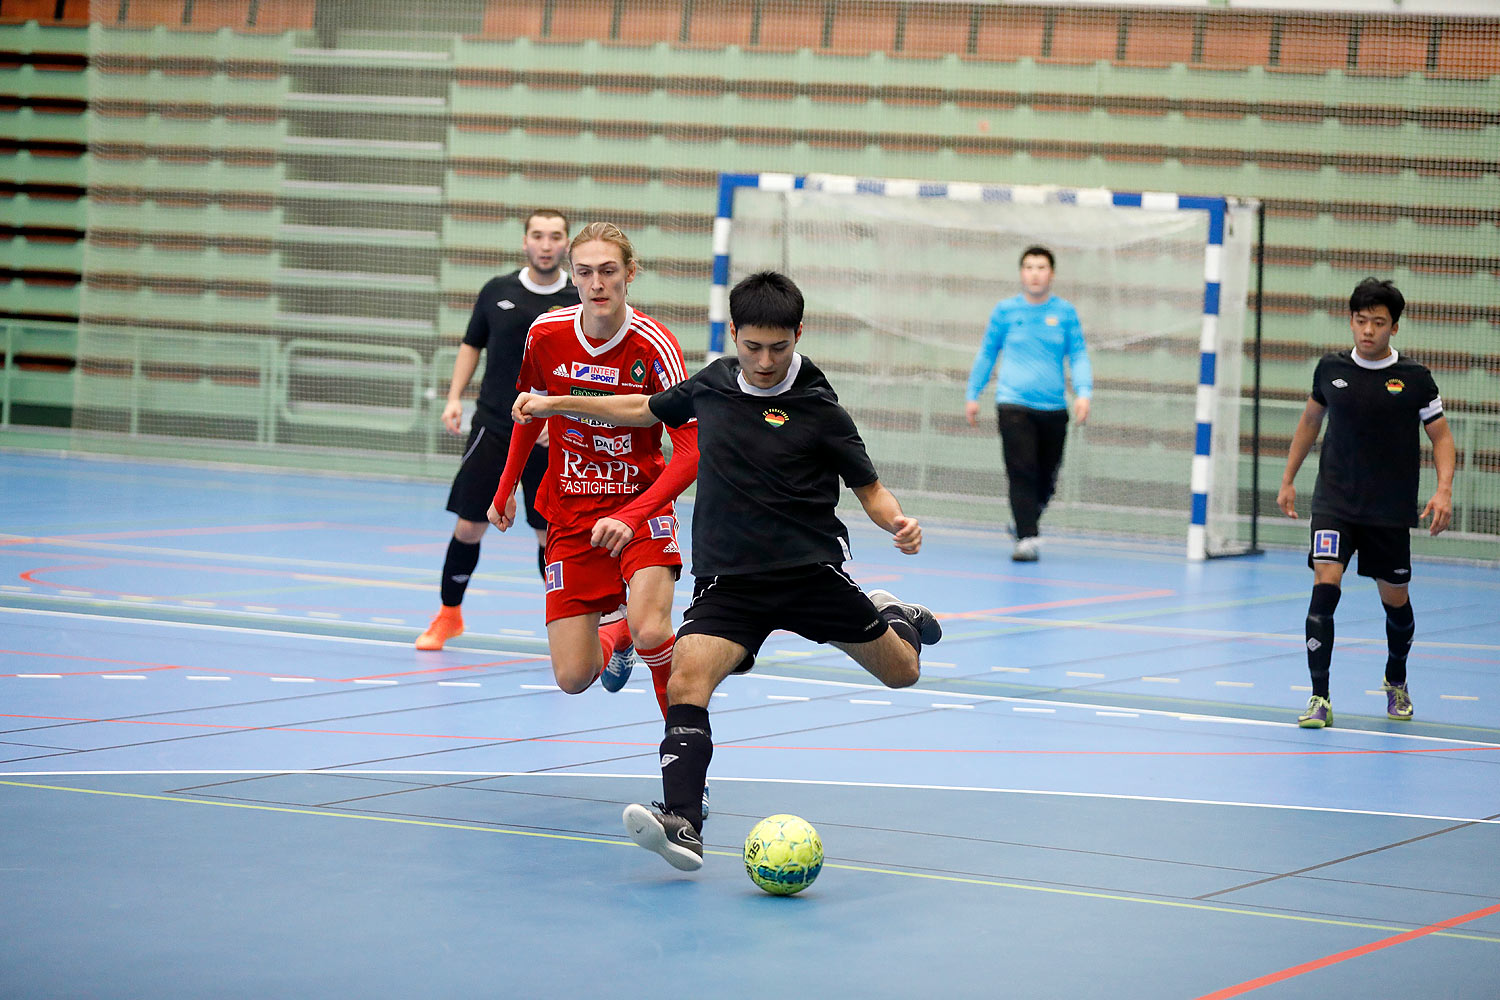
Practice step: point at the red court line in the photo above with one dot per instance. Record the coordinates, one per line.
(1140, 595)
(1343, 956)
(745, 746)
(227, 529)
(149, 665)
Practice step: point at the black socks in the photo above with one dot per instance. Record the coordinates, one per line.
(685, 753)
(1400, 626)
(1325, 598)
(902, 626)
(457, 567)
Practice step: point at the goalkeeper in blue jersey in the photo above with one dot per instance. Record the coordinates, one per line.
(1036, 332)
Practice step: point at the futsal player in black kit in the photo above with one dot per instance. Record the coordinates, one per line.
(1365, 499)
(503, 312)
(768, 547)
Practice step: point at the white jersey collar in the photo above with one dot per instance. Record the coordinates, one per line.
(594, 349)
(779, 387)
(1384, 362)
(532, 286)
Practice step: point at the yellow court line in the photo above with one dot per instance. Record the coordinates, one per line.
(929, 876)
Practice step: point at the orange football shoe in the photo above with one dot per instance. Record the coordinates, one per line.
(447, 624)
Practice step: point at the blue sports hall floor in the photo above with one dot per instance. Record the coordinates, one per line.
(225, 771)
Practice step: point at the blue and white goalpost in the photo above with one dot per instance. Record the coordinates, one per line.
(901, 275)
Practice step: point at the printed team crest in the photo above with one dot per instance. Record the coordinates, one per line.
(662, 527)
(553, 577)
(1326, 544)
(638, 371)
(774, 417)
(1394, 386)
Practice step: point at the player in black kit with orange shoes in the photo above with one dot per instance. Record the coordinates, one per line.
(1365, 499)
(503, 312)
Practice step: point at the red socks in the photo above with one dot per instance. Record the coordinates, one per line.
(660, 662)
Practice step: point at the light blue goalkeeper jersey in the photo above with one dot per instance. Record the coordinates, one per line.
(1036, 340)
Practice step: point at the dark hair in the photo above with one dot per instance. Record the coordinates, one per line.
(1037, 250)
(1374, 292)
(545, 213)
(766, 299)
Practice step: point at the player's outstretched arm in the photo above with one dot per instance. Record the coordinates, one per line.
(881, 506)
(625, 411)
(1308, 426)
(1445, 457)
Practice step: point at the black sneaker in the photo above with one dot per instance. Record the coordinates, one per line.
(665, 833)
(921, 618)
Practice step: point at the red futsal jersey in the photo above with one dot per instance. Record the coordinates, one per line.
(594, 468)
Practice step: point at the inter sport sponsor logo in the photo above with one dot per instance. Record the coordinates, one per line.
(598, 374)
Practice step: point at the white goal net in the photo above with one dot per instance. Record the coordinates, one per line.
(900, 279)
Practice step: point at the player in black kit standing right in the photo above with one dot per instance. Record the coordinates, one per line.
(503, 312)
(1366, 496)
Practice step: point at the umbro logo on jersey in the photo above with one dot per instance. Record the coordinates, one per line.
(560, 372)
(1339, 383)
(506, 304)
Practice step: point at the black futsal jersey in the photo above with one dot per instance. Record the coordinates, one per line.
(769, 465)
(1371, 456)
(503, 312)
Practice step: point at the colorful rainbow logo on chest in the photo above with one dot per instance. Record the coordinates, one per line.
(774, 417)
(1394, 386)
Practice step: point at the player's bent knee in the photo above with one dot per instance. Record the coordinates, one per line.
(905, 674)
(651, 635)
(573, 681)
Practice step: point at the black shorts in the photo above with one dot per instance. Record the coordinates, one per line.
(479, 476)
(818, 602)
(1384, 550)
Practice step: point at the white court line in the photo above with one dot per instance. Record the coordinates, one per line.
(1119, 715)
(42, 676)
(291, 680)
(867, 701)
(260, 609)
(199, 604)
(137, 597)
(1459, 697)
(1013, 670)
(206, 677)
(373, 680)
(1306, 688)
(946, 704)
(539, 687)
(1149, 712)
(655, 776)
(1084, 673)
(1028, 708)
(77, 593)
(1162, 680)
(1234, 684)
(245, 630)
(458, 684)
(937, 663)
(12, 586)
(122, 677)
(787, 697)
(389, 621)
(324, 614)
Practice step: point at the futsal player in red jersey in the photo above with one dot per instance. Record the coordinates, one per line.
(608, 492)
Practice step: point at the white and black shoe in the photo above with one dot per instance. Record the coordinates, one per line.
(665, 833)
(921, 617)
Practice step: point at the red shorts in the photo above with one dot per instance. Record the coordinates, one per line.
(581, 577)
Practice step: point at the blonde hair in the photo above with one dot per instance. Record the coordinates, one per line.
(604, 232)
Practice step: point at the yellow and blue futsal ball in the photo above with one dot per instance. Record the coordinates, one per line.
(783, 854)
